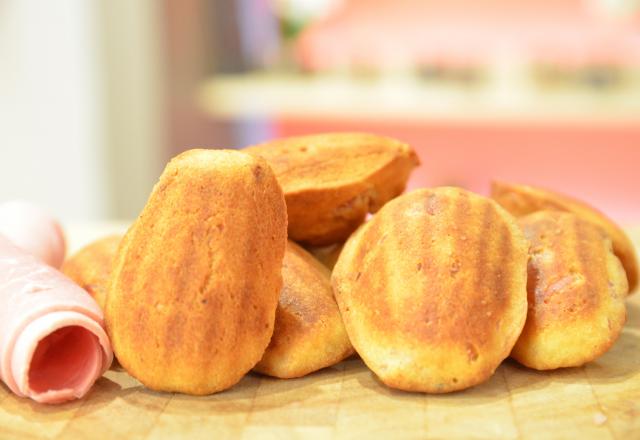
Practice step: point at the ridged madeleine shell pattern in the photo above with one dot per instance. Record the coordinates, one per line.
(576, 292)
(196, 282)
(432, 290)
(522, 200)
(309, 333)
(331, 181)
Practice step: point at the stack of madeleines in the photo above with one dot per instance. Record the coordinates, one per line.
(262, 260)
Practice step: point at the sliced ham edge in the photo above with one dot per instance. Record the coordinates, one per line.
(58, 357)
(53, 346)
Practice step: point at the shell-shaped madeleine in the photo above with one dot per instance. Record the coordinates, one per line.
(90, 267)
(309, 333)
(432, 290)
(331, 181)
(522, 200)
(576, 292)
(196, 281)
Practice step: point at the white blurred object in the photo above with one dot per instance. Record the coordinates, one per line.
(34, 230)
(81, 122)
(304, 10)
(51, 121)
(614, 8)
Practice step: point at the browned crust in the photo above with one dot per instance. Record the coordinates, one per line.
(576, 290)
(522, 200)
(196, 282)
(309, 333)
(90, 267)
(432, 290)
(331, 181)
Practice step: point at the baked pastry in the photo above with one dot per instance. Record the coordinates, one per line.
(196, 281)
(522, 200)
(432, 289)
(331, 181)
(90, 267)
(309, 333)
(576, 292)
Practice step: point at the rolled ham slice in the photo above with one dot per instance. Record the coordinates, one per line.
(52, 343)
(34, 230)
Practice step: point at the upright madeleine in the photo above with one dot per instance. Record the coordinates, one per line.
(576, 292)
(331, 181)
(522, 200)
(432, 290)
(196, 282)
(309, 333)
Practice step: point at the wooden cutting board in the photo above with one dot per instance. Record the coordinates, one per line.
(598, 401)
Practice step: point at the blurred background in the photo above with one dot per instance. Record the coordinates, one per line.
(96, 96)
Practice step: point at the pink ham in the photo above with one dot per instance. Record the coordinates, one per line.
(52, 343)
(31, 228)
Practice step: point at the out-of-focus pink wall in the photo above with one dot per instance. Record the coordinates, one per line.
(379, 33)
(599, 163)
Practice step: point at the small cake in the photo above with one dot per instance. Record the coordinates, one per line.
(432, 289)
(331, 181)
(576, 292)
(90, 267)
(196, 281)
(309, 333)
(522, 200)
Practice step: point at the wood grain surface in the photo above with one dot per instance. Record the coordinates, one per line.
(598, 401)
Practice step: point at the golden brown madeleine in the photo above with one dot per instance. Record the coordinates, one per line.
(522, 200)
(327, 255)
(90, 267)
(309, 333)
(432, 290)
(576, 291)
(331, 181)
(196, 281)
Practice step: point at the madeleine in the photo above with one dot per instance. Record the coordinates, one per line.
(90, 267)
(196, 281)
(522, 200)
(432, 290)
(576, 292)
(331, 181)
(309, 333)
